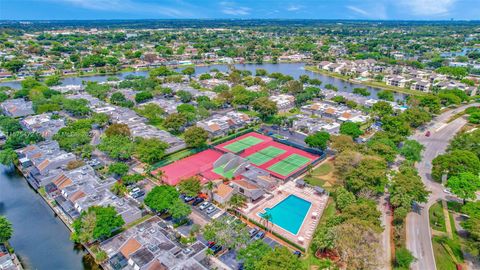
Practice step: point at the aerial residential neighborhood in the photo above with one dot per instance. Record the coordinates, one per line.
(185, 135)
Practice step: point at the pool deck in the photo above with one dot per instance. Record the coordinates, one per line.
(252, 211)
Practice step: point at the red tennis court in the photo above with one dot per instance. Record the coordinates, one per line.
(271, 165)
(198, 164)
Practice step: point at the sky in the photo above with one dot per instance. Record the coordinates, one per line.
(240, 9)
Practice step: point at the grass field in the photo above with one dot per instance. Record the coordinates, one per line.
(265, 155)
(323, 169)
(437, 219)
(243, 144)
(288, 165)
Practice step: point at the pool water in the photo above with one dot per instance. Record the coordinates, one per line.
(289, 214)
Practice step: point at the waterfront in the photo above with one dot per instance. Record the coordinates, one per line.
(292, 69)
(40, 239)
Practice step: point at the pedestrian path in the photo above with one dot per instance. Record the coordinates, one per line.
(448, 224)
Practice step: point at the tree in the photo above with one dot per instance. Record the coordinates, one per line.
(260, 72)
(279, 258)
(175, 122)
(152, 112)
(179, 210)
(13, 65)
(382, 108)
(118, 130)
(364, 210)
(228, 234)
(324, 239)
(474, 118)
(350, 128)
(53, 80)
(455, 162)
(195, 137)
(190, 186)
(150, 150)
(412, 150)
(117, 147)
(357, 245)
(184, 96)
(369, 174)
(161, 198)
(403, 258)
(118, 168)
(318, 140)
(97, 222)
(6, 229)
(188, 71)
(8, 157)
(341, 143)
(464, 185)
(343, 198)
(346, 161)
(252, 253)
(237, 201)
(293, 87)
(386, 95)
(264, 107)
(143, 96)
(469, 141)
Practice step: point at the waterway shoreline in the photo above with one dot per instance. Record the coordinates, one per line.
(366, 83)
(77, 256)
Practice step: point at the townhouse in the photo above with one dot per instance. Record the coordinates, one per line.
(284, 102)
(17, 107)
(219, 125)
(45, 124)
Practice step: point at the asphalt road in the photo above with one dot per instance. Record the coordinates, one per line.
(419, 240)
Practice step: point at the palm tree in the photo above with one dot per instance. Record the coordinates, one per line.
(209, 186)
(160, 174)
(267, 217)
(237, 201)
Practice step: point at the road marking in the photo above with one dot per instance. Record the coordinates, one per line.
(442, 126)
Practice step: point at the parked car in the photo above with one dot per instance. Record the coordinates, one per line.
(447, 190)
(216, 249)
(259, 235)
(297, 253)
(138, 194)
(210, 244)
(252, 232)
(197, 201)
(211, 209)
(427, 133)
(204, 205)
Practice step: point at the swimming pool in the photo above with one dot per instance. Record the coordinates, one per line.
(289, 214)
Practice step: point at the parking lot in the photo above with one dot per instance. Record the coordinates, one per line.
(291, 135)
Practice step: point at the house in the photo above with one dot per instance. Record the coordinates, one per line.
(420, 85)
(7, 260)
(284, 102)
(220, 125)
(78, 189)
(43, 124)
(168, 105)
(17, 107)
(149, 246)
(248, 189)
(223, 193)
(42, 161)
(395, 80)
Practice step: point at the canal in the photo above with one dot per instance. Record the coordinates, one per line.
(292, 69)
(40, 238)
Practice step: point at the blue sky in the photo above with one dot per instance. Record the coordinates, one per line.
(241, 9)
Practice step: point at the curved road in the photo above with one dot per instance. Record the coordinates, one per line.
(419, 240)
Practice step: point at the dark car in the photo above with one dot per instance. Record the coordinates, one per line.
(259, 235)
(252, 232)
(427, 133)
(210, 244)
(216, 249)
(197, 201)
(297, 253)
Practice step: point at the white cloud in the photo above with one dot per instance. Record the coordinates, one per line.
(126, 6)
(428, 7)
(294, 7)
(230, 8)
(358, 10)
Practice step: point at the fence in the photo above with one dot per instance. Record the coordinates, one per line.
(299, 146)
(170, 158)
(304, 169)
(231, 137)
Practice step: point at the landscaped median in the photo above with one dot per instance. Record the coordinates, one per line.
(380, 85)
(446, 248)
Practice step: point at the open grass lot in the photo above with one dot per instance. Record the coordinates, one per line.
(437, 219)
(447, 252)
(323, 176)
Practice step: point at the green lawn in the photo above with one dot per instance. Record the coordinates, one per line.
(437, 219)
(314, 181)
(442, 258)
(323, 169)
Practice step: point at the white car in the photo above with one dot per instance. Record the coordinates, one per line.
(204, 205)
(448, 191)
